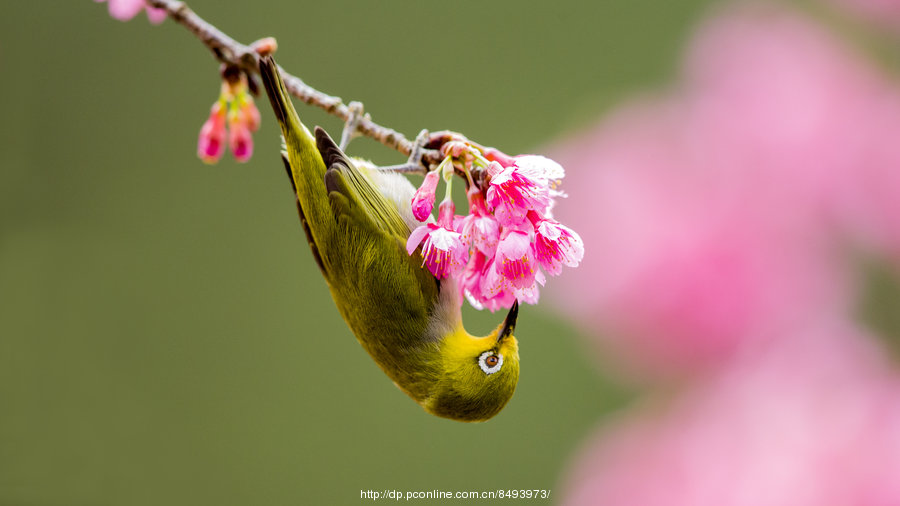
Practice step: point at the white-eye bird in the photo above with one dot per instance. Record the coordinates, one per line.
(357, 220)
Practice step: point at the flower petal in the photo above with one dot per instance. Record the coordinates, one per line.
(415, 238)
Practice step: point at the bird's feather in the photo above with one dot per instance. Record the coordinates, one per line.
(359, 238)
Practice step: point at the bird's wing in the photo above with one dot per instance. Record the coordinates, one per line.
(372, 222)
(373, 208)
(357, 236)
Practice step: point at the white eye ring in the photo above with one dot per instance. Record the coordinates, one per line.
(483, 364)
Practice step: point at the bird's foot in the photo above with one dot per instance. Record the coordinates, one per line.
(351, 126)
(414, 163)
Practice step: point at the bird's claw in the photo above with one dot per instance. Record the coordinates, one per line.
(414, 163)
(351, 126)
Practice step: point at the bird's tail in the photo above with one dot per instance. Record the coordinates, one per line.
(301, 159)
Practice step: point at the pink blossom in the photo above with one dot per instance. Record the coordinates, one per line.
(530, 294)
(814, 421)
(423, 200)
(480, 228)
(124, 10)
(515, 260)
(544, 171)
(513, 192)
(470, 282)
(483, 286)
(555, 244)
(501, 267)
(211, 143)
(443, 251)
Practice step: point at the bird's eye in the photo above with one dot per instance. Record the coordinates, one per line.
(490, 362)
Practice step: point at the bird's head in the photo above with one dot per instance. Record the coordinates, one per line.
(479, 374)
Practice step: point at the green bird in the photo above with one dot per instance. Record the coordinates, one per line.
(357, 220)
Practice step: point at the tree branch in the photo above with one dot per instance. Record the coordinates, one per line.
(232, 52)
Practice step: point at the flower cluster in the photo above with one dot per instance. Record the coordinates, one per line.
(236, 109)
(123, 10)
(500, 250)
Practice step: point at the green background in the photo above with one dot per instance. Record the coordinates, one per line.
(165, 337)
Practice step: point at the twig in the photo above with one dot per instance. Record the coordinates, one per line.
(232, 52)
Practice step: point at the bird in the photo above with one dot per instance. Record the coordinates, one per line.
(357, 220)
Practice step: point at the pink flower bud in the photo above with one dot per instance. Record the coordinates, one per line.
(239, 139)
(156, 16)
(211, 143)
(265, 46)
(446, 214)
(123, 10)
(423, 200)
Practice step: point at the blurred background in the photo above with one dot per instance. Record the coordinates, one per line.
(730, 339)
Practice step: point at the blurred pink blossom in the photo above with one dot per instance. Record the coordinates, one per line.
(236, 109)
(243, 119)
(724, 214)
(869, 204)
(690, 270)
(720, 212)
(211, 142)
(240, 139)
(801, 121)
(124, 10)
(815, 421)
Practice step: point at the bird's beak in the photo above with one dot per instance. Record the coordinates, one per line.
(509, 325)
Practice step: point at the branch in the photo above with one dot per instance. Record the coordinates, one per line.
(246, 58)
